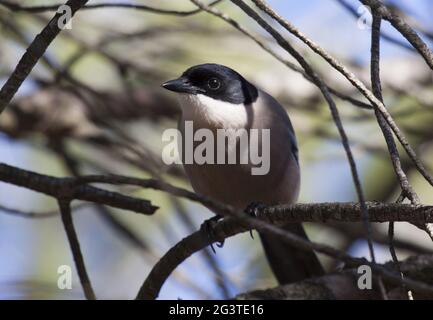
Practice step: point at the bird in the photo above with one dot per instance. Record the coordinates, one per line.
(215, 97)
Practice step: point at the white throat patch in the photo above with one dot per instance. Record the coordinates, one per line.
(212, 112)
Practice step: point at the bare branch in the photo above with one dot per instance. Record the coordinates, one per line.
(383, 35)
(377, 104)
(377, 90)
(334, 111)
(278, 215)
(65, 209)
(64, 187)
(316, 80)
(221, 279)
(268, 220)
(239, 222)
(276, 55)
(38, 215)
(35, 9)
(405, 29)
(344, 285)
(33, 53)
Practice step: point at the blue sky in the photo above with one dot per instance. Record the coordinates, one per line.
(326, 22)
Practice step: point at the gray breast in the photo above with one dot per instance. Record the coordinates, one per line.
(233, 183)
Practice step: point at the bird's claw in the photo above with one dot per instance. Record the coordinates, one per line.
(252, 210)
(208, 228)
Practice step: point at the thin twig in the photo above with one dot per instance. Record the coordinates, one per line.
(39, 215)
(383, 35)
(33, 53)
(65, 210)
(393, 251)
(334, 111)
(316, 80)
(387, 133)
(407, 190)
(54, 7)
(221, 279)
(73, 166)
(377, 90)
(278, 214)
(405, 29)
(405, 185)
(277, 56)
(377, 104)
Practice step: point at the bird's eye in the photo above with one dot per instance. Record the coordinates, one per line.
(214, 84)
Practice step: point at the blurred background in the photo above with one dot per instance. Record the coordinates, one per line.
(94, 104)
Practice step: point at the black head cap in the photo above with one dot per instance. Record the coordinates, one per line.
(216, 81)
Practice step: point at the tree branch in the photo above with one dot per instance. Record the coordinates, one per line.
(35, 9)
(37, 215)
(344, 285)
(280, 215)
(33, 53)
(377, 104)
(353, 11)
(65, 210)
(333, 108)
(66, 187)
(405, 29)
(377, 91)
(238, 223)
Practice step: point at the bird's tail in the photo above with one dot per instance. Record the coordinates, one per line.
(290, 264)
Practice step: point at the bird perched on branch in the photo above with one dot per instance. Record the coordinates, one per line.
(214, 97)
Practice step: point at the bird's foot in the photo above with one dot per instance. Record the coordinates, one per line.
(252, 210)
(208, 227)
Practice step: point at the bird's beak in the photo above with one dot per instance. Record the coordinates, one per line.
(181, 85)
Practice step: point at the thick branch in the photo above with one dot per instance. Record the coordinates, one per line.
(61, 188)
(315, 212)
(348, 212)
(66, 187)
(279, 215)
(344, 285)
